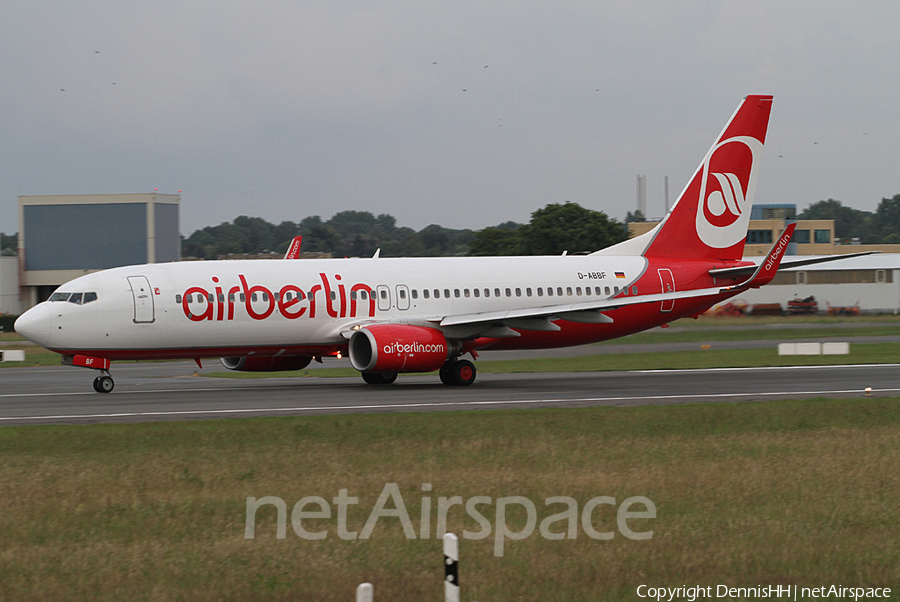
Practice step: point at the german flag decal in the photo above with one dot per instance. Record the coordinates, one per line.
(620, 274)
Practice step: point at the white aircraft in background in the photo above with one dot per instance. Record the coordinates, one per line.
(423, 314)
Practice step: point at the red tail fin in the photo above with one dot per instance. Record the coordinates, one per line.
(710, 218)
(293, 251)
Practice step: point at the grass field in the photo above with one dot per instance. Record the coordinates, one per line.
(800, 492)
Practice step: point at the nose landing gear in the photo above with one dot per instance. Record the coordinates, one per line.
(104, 384)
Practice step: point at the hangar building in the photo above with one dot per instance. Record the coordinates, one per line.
(62, 237)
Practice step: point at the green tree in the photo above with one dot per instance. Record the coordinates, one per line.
(887, 219)
(848, 222)
(569, 227)
(496, 241)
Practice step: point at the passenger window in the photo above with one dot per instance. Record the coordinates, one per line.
(437, 294)
(252, 297)
(518, 292)
(447, 293)
(333, 296)
(587, 290)
(75, 298)
(466, 293)
(384, 294)
(402, 294)
(221, 297)
(487, 292)
(243, 298)
(456, 293)
(633, 290)
(578, 291)
(559, 291)
(352, 295)
(425, 293)
(598, 291)
(540, 292)
(569, 290)
(528, 291)
(607, 290)
(363, 295)
(616, 289)
(477, 292)
(549, 291)
(231, 297)
(415, 294)
(277, 296)
(508, 293)
(211, 298)
(177, 298)
(265, 297)
(496, 292)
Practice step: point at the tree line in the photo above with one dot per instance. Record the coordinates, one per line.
(879, 227)
(552, 230)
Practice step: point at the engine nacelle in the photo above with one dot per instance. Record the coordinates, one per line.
(398, 348)
(281, 363)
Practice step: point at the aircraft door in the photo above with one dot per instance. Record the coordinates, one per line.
(402, 297)
(143, 300)
(667, 282)
(384, 297)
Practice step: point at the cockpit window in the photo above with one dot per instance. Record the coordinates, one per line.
(76, 298)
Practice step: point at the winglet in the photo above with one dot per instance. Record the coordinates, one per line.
(293, 251)
(769, 266)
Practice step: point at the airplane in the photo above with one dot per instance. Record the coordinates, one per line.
(395, 315)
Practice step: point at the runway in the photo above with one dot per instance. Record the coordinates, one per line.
(169, 391)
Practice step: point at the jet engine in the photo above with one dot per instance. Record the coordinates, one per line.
(392, 348)
(281, 363)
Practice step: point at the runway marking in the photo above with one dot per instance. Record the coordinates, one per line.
(439, 404)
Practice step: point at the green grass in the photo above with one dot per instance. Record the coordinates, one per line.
(793, 492)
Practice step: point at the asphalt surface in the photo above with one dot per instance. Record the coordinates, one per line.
(171, 391)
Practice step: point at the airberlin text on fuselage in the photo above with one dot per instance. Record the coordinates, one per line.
(292, 301)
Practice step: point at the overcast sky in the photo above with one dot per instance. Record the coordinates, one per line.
(463, 113)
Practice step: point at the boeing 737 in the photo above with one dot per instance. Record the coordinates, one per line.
(423, 314)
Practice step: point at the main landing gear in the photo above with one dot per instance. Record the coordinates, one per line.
(379, 378)
(460, 373)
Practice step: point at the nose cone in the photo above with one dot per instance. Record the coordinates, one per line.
(35, 324)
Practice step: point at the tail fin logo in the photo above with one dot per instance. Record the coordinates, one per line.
(727, 186)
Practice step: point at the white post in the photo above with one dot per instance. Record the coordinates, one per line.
(365, 593)
(451, 568)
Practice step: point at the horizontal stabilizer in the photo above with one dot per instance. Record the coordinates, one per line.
(787, 264)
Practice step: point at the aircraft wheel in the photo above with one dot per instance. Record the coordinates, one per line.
(104, 384)
(446, 377)
(379, 378)
(463, 373)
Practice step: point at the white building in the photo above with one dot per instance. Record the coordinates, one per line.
(872, 282)
(10, 303)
